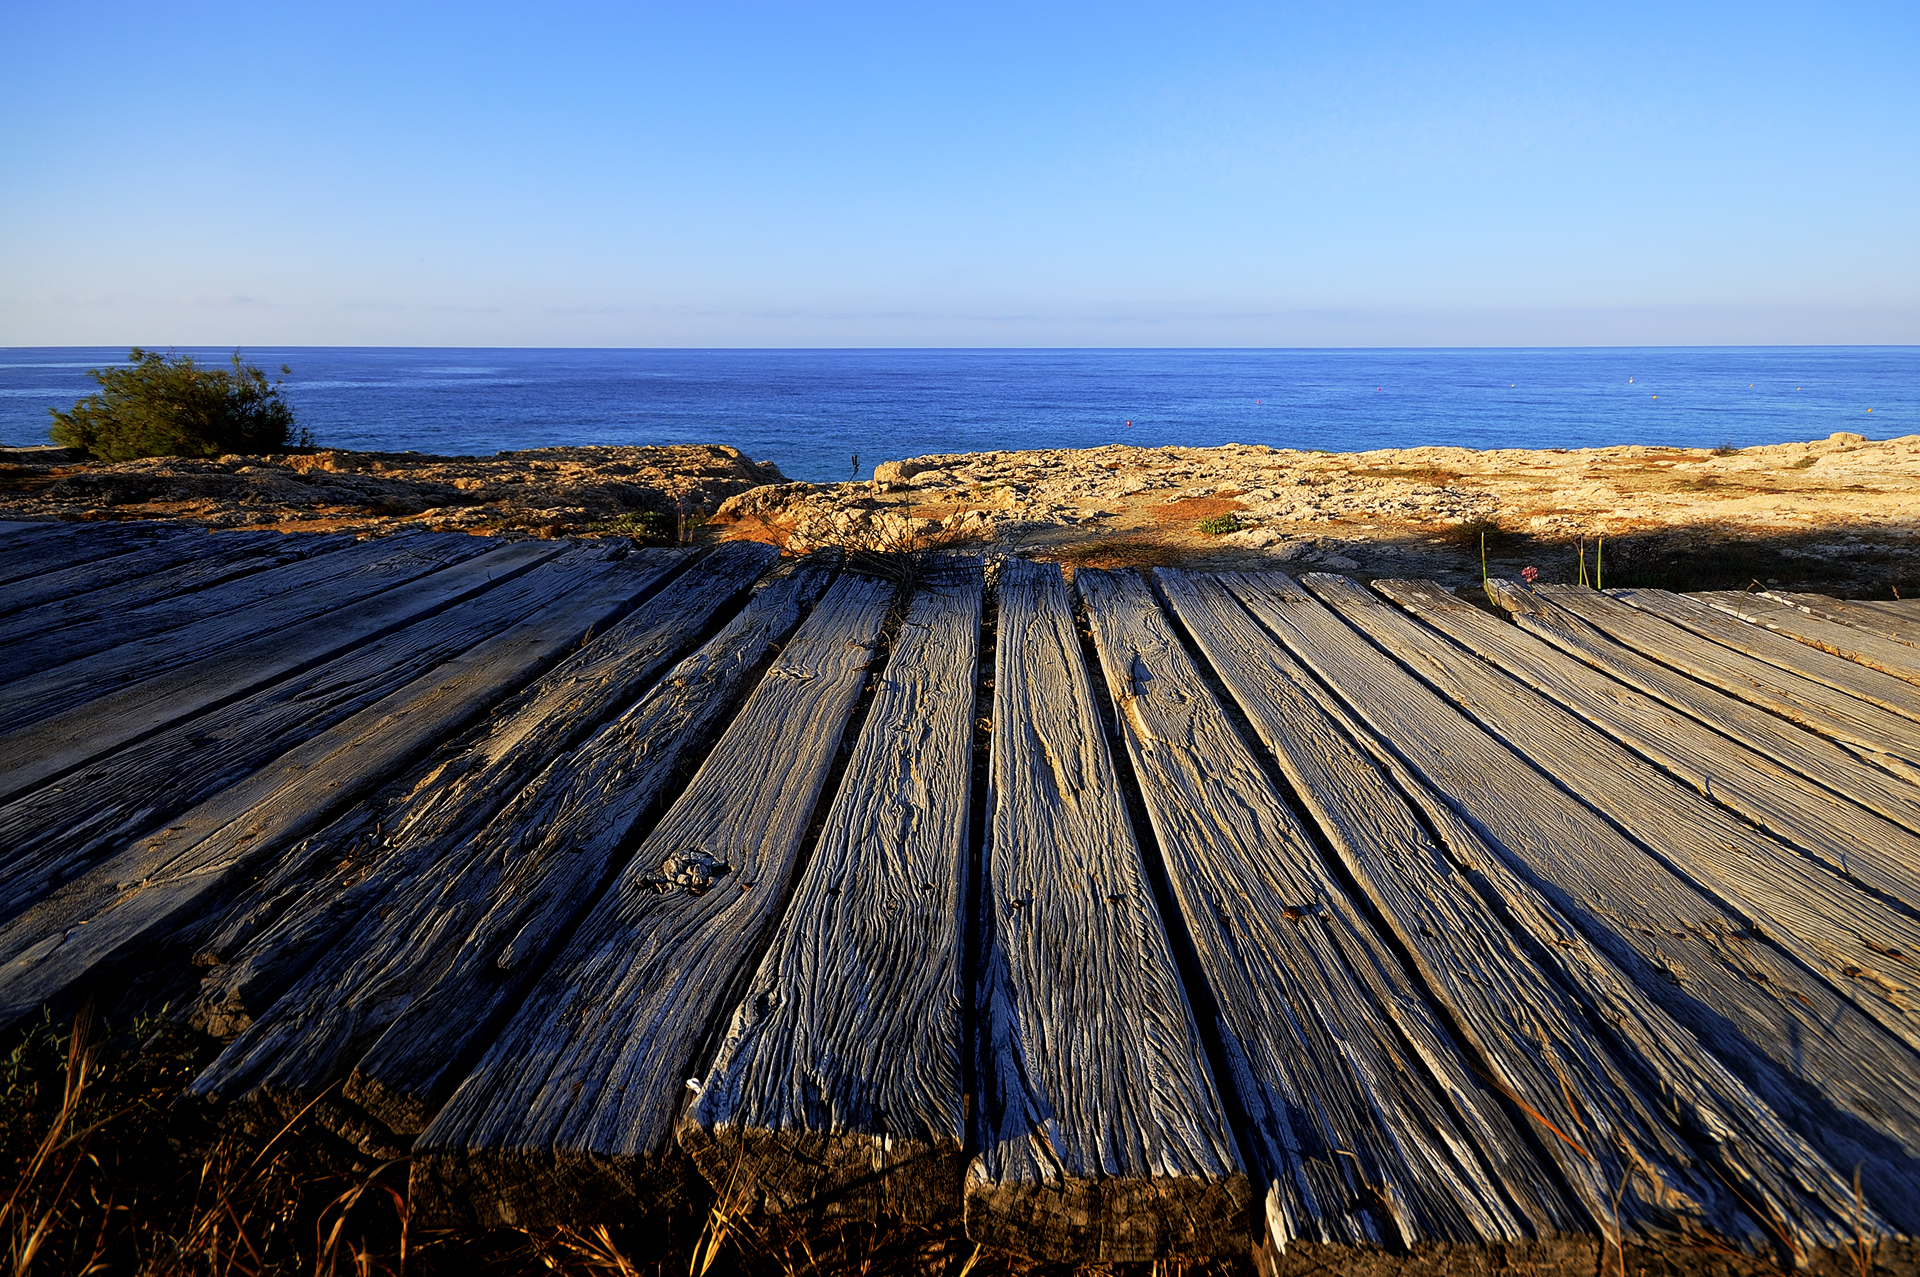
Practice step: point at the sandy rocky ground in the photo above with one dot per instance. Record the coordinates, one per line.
(1840, 515)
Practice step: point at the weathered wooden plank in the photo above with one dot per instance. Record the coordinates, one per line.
(1102, 1135)
(171, 631)
(1363, 1121)
(1778, 650)
(1594, 1064)
(1887, 619)
(67, 545)
(120, 908)
(1863, 647)
(839, 1084)
(1806, 753)
(144, 646)
(248, 661)
(1849, 840)
(584, 809)
(53, 832)
(464, 831)
(569, 1114)
(1884, 738)
(11, 526)
(1834, 1075)
(1574, 731)
(228, 557)
(161, 555)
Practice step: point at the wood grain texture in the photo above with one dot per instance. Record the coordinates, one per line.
(1863, 647)
(164, 632)
(584, 809)
(162, 554)
(52, 833)
(142, 649)
(65, 545)
(1102, 1135)
(1836, 1078)
(110, 914)
(245, 662)
(1810, 755)
(570, 1112)
(1601, 1071)
(27, 638)
(458, 847)
(1892, 694)
(1364, 1123)
(838, 1087)
(1887, 619)
(1823, 921)
(1885, 739)
(1842, 836)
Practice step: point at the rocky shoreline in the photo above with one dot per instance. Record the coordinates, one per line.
(1839, 514)
(535, 492)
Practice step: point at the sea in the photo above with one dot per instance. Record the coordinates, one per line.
(824, 415)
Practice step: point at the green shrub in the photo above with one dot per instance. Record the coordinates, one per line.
(648, 525)
(1220, 525)
(169, 406)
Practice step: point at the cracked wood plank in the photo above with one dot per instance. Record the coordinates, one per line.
(1828, 924)
(389, 989)
(66, 545)
(68, 629)
(1886, 740)
(1363, 1120)
(1653, 1135)
(569, 1114)
(1892, 694)
(1830, 829)
(167, 632)
(1862, 647)
(56, 831)
(586, 805)
(1791, 746)
(242, 661)
(1836, 1077)
(108, 571)
(118, 909)
(1102, 1136)
(1887, 619)
(838, 1087)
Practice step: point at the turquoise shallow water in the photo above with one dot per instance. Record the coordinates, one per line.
(813, 410)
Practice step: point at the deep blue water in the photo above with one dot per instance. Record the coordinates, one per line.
(811, 410)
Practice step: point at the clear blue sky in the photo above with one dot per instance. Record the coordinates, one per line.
(831, 174)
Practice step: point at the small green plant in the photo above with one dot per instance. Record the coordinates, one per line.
(1219, 525)
(648, 525)
(169, 406)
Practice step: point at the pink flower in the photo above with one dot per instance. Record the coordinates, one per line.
(1530, 574)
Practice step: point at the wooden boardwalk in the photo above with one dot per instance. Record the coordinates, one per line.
(1118, 918)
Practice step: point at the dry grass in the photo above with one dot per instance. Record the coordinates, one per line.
(108, 1176)
(1434, 476)
(1194, 509)
(1141, 550)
